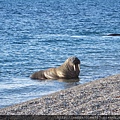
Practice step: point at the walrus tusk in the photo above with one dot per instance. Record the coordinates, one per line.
(74, 68)
(79, 66)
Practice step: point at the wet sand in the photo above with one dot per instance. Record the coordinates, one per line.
(99, 97)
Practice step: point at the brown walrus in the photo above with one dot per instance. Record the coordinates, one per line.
(68, 70)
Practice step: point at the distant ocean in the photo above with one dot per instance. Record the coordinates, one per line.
(39, 34)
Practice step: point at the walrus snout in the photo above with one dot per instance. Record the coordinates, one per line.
(76, 61)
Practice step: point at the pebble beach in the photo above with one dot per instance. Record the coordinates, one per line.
(99, 97)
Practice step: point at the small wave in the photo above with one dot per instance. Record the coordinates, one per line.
(51, 35)
(78, 36)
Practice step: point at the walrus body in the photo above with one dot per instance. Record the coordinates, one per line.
(68, 70)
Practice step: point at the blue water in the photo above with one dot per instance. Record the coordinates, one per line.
(39, 34)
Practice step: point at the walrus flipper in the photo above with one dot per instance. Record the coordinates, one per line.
(38, 75)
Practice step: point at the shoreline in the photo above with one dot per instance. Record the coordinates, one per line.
(99, 97)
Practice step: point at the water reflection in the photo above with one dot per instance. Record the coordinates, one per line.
(60, 80)
(68, 83)
(69, 80)
(57, 84)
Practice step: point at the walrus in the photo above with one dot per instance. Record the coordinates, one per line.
(68, 70)
(114, 34)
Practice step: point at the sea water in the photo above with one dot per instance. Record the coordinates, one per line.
(39, 34)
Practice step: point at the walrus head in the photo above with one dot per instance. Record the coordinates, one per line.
(75, 62)
(70, 68)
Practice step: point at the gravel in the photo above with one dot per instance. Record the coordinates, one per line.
(99, 97)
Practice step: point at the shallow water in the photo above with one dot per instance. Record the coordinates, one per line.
(39, 34)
